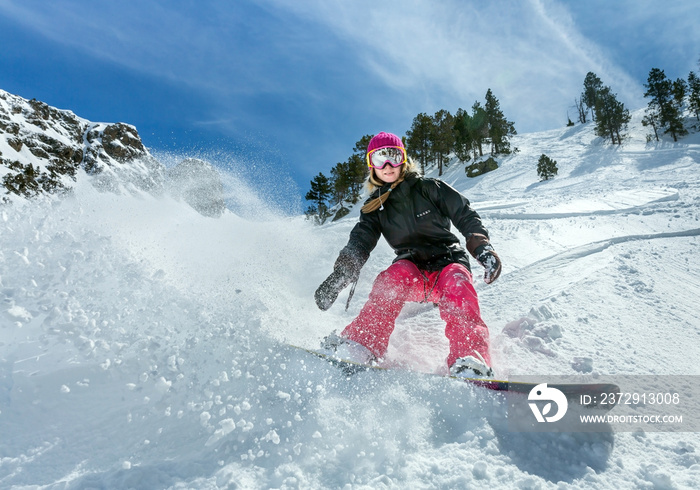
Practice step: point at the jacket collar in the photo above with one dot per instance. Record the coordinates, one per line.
(408, 182)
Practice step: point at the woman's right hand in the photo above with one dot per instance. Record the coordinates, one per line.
(345, 271)
(329, 289)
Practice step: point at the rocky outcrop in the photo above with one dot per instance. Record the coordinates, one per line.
(481, 167)
(199, 184)
(43, 148)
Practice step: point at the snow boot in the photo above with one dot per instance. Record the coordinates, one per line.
(347, 350)
(471, 367)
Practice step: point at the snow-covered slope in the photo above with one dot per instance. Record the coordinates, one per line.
(142, 345)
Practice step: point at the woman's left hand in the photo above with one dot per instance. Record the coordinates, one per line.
(488, 258)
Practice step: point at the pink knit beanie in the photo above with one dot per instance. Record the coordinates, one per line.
(384, 139)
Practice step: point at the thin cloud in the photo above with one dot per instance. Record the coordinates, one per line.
(529, 53)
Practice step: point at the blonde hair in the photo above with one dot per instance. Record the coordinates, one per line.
(373, 183)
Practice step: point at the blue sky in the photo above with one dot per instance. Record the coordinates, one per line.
(285, 88)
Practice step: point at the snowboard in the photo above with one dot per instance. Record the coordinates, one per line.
(586, 395)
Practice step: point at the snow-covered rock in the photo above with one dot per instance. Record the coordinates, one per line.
(42, 150)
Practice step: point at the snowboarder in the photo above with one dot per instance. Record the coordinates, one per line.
(413, 213)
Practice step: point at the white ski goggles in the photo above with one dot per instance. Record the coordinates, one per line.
(392, 155)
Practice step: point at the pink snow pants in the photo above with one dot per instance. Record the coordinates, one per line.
(452, 289)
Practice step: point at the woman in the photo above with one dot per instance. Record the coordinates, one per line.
(413, 214)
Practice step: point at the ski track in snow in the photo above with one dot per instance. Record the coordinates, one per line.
(143, 345)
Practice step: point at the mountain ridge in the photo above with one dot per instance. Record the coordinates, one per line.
(43, 150)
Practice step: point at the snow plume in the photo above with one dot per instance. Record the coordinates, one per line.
(254, 188)
(129, 317)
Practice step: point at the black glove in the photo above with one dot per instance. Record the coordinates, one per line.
(480, 248)
(345, 271)
(488, 257)
(329, 289)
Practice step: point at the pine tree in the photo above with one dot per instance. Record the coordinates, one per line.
(499, 129)
(478, 129)
(418, 141)
(357, 170)
(651, 119)
(694, 94)
(357, 163)
(679, 89)
(360, 147)
(463, 139)
(471, 131)
(591, 86)
(546, 168)
(663, 107)
(318, 195)
(340, 182)
(442, 138)
(611, 116)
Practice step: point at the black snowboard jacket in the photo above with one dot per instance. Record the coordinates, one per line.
(415, 221)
